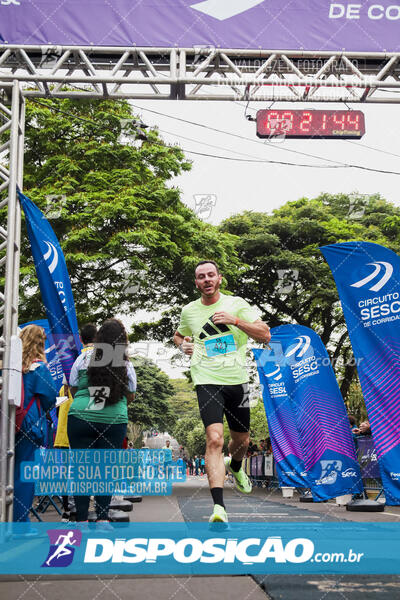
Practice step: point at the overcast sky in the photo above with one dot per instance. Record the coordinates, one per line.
(238, 186)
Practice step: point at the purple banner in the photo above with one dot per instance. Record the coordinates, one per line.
(253, 24)
(367, 458)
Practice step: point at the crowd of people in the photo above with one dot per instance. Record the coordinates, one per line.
(92, 413)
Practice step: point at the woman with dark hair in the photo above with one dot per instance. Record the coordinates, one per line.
(102, 381)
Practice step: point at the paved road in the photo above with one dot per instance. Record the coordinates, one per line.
(191, 502)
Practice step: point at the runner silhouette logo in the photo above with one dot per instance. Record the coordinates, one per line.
(62, 547)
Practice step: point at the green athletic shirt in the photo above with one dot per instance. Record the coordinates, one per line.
(219, 357)
(83, 406)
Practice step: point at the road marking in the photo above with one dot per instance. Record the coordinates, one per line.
(392, 514)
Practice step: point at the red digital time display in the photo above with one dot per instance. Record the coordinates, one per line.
(310, 123)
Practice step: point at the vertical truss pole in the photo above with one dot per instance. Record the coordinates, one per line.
(10, 176)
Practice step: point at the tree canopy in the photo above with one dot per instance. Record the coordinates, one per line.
(104, 184)
(151, 407)
(287, 277)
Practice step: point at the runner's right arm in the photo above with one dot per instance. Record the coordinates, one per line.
(181, 337)
(184, 343)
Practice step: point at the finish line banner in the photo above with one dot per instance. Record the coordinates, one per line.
(254, 24)
(328, 449)
(199, 548)
(279, 410)
(368, 281)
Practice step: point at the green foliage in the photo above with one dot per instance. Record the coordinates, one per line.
(196, 441)
(355, 402)
(289, 239)
(119, 221)
(184, 426)
(151, 408)
(183, 403)
(258, 422)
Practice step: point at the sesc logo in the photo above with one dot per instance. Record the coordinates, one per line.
(51, 256)
(350, 472)
(379, 265)
(275, 375)
(299, 350)
(192, 550)
(225, 9)
(62, 547)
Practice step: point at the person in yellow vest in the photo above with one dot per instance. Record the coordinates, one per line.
(87, 333)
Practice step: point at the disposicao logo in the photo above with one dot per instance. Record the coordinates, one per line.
(62, 547)
(301, 347)
(51, 256)
(191, 550)
(225, 9)
(379, 265)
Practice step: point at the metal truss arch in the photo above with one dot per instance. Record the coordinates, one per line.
(202, 73)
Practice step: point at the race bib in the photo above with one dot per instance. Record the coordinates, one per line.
(221, 345)
(98, 397)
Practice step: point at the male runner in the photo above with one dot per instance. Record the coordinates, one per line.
(220, 326)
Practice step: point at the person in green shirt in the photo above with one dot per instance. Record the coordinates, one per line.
(102, 382)
(213, 331)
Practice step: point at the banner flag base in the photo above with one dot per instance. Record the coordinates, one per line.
(365, 505)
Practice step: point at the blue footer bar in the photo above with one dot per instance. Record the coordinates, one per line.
(188, 548)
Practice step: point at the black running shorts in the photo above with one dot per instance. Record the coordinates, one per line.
(231, 400)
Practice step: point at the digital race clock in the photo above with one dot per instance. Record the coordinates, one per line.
(311, 123)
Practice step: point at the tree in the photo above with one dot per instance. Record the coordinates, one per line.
(355, 402)
(128, 240)
(151, 407)
(183, 428)
(183, 403)
(286, 275)
(196, 442)
(258, 422)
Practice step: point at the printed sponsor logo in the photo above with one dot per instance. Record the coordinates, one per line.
(51, 256)
(191, 550)
(276, 375)
(300, 348)
(369, 456)
(225, 9)
(350, 472)
(378, 266)
(62, 547)
(394, 476)
(329, 471)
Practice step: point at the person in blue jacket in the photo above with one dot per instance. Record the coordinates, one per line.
(31, 434)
